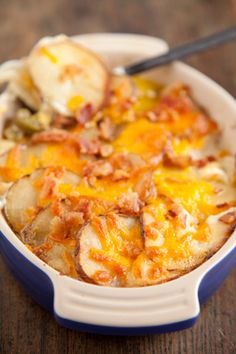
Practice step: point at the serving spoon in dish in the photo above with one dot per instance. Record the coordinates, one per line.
(178, 53)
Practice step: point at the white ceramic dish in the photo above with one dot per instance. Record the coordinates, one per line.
(170, 306)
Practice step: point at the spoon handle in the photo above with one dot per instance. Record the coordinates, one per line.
(179, 52)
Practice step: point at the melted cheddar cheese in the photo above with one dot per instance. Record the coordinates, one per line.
(138, 214)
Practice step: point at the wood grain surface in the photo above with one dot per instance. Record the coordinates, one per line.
(25, 327)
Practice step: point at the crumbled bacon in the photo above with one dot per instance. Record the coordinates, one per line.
(204, 124)
(127, 162)
(66, 224)
(60, 121)
(75, 210)
(177, 211)
(228, 218)
(222, 205)
(171, 160)
(59, 230)
(48, 189)
(204, 161)
(88, 145)
(156, 160)
(54, 135)
(171, 213)
(145, 186)
(119, 175)
(175, 100)
(129, 203)
(106, 150)
(85, 113)
(106, 129)
(98, 169)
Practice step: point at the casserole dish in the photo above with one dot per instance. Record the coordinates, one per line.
(171, 306)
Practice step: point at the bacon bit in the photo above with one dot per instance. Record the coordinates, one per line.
(106, 129)
(102, 276)
(228, 218)
(171, 214)
(54, 135)
(176, 210)
(49, 189)
(127, 162)
(222, 205)
(152, 116)
(85, 113)
(170, 160)
(204, 125)
(88, 206)
(98, 169)
(161, 114)
(129, 203)
(204, 161)
(88, 145)
(74, 219)
(145, 187)
(66, 224)
(59, 230)
(156, 160)
(60, 121)
(120, 175)
(174, 101)
(106, 150)
(131, 250)
(56, 207)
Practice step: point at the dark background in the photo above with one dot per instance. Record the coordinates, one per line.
(25, 327)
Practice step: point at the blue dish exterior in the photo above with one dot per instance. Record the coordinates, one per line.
(40, 287)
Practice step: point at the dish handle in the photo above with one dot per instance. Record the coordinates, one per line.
(166, 304)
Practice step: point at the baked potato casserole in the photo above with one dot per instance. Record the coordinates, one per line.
(113, 180)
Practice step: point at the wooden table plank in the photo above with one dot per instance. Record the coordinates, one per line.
(24, 326)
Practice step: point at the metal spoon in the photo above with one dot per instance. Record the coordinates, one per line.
(178, 52)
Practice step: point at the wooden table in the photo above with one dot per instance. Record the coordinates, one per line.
(24, 326)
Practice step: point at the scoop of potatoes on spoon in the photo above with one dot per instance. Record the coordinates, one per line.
(68, 76)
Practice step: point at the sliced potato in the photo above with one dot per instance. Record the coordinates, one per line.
(115, 256)
(107, 247)
(21, 154)
(68, 76)
(51, 238)
(59, 255)
(32, 192)
(177, 241)
(145, 271)
(15, 72)
(36, 233)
